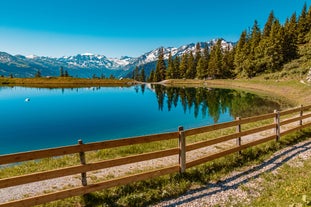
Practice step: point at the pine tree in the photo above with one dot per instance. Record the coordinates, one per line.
(290, 47)
(246, 65)
(201, 72)
(205, 56)
(268, 25)
(142, 75)
(61, 71)
(176, 74)
(38, 74)
(255, 36)
(260, 58)
(260, 63)
(136, 73)
(215, 62)
(308, 35)
(240, 54)
(267, 51)
(161, 67)
(303, 25)
(273, 52)
(170, 67)
(151, 77)
(254, 41)
(228, 63)
(183, 66)
(197, 54)
(191, 69)
(309, 17)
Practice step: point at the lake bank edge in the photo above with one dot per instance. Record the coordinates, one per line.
(292, 91)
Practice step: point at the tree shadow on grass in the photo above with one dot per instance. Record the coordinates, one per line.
(112, 197)
(235, 181)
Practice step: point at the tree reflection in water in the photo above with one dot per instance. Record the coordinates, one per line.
(213, 102)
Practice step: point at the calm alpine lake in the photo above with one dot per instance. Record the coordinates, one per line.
(33, 118)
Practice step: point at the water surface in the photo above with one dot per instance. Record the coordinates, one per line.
(33, 118)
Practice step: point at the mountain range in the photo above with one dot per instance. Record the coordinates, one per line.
(89, 65)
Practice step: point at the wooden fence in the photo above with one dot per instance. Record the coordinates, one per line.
(294, 119)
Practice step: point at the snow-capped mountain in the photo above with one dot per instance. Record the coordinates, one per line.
(88, 60)
(88, 64)
(152, 56)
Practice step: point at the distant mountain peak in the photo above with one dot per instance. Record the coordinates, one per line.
(31, 56)
(125, 57)
(87, 54)
(89, 64)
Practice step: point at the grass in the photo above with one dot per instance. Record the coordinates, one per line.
(99, 155)
(154, 190)
(290, 91)
(291, 186)
(285, 83)
(147, 192)
(38, 166)
(150, 191)
(63, 82)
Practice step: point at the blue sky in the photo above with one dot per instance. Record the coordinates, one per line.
(127, 27)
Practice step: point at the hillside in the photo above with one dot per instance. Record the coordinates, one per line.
(275, 51)
(89, 65)
(297, 69)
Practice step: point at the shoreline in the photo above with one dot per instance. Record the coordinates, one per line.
(290, 87)
(65, 82)
(292, 91)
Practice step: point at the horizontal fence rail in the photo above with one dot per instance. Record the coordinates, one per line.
(34, 155)
(273, 128)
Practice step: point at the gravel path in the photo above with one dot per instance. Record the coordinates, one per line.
(230, 190)
(226, 190)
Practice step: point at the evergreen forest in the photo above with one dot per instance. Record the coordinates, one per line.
(213, 102)
(258, 51)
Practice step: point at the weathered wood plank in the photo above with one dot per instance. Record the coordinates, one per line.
(228, 124)
(19, 157)
(256, 118)
(227, 152)
(90, 188)
(296, 128)
(13, 181)
(33, 155)
(306, 108)
(210, 142)
(213, 127)
(182, 150)
(290, 111)
(130, 141)
(305, 116)
(288, 121)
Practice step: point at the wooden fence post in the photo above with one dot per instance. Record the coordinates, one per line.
(301, 114)
(182, 149)
(238, 130)
(83, 162)
(277, 122)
